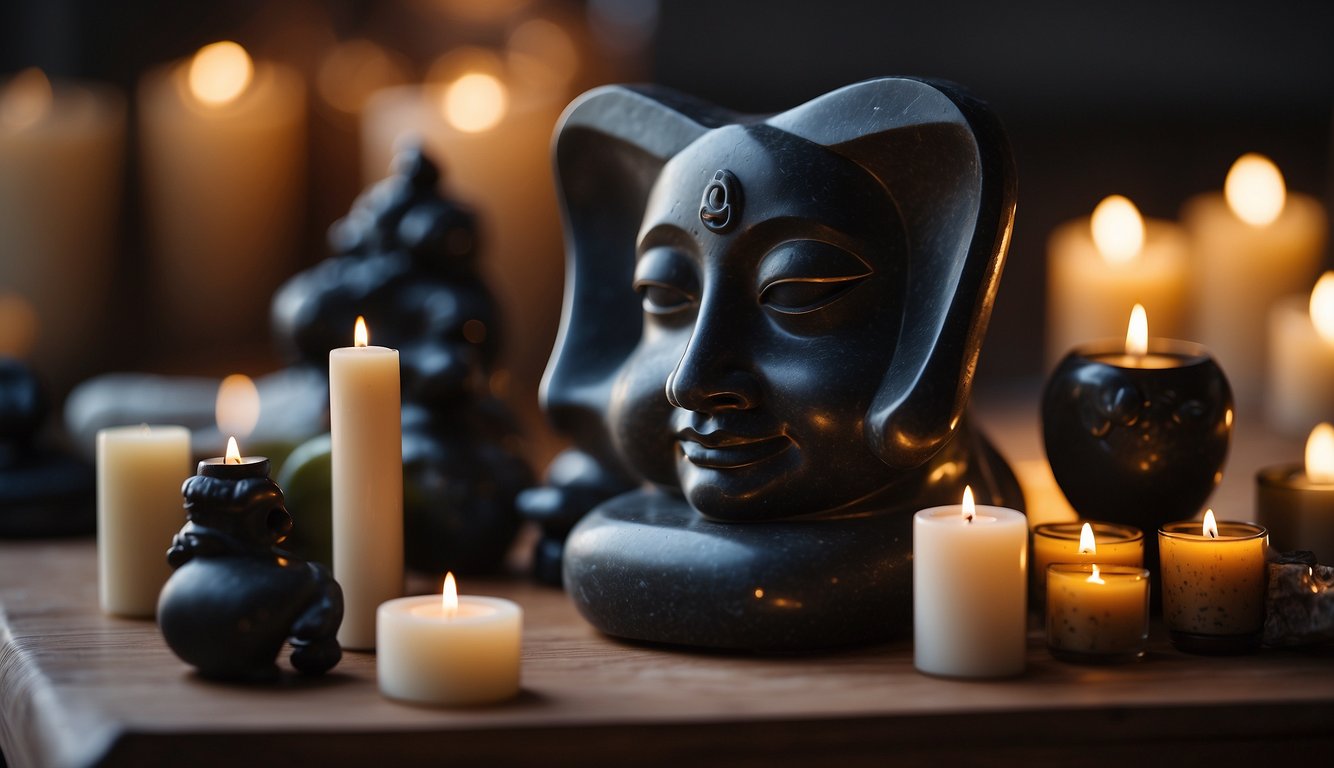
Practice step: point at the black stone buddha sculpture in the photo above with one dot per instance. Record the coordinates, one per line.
(773, 323)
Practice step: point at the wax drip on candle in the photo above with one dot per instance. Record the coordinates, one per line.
(1087, 544)
(1137, 332)
(969, 509)
(361, 337)
(1210, 524)
(1118, 230)
(1320, 454)
(1255, 190)
(1095, 578)
(233, 455)
(449, 597)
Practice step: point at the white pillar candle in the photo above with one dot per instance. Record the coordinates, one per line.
(969, 590)
(1300, 374)
(139, 508)
(1249, 247)
(366, 428)
(491, 133)
(431, 650)
(62, 150)
(1100, 265)
(224, 157)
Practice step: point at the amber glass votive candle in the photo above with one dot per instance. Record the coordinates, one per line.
(1213, 577)
(1097, 614)
(1106, 544)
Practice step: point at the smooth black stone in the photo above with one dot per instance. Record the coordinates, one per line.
(645, 566)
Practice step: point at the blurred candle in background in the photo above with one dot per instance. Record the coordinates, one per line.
(1098, 266)
(62, 150)
(1300, 374)
(1251, 245)
(488, 121)
(224, 154)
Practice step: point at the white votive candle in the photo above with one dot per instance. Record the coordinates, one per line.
(449, 652)
(139, 508)
(970, 590)
(367, 453)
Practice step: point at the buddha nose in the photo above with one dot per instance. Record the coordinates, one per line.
(713, 375)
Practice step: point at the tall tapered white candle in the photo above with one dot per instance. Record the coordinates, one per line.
(367, 433)
(139, 508)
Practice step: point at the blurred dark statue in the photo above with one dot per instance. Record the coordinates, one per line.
(770, 334)
(406, 259)
(234, 599)
(43, 491)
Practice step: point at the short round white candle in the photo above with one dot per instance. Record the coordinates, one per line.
(449, 650)
(970, 590)
(1296, 501)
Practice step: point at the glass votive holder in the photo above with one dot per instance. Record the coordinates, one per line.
(1097, 614)
(1213, 587)
(1114, 544)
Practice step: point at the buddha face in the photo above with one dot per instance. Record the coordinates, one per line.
(771, 272)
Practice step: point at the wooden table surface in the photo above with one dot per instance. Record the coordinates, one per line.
(79, 688)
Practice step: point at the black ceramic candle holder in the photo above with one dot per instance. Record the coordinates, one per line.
(1137, 440)
(235, 598)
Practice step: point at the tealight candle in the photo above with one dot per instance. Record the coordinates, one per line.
(1213, 576)
(139, 474)
(1300, 384)
(1082, 542)
(366, 430)
(1097, 613)
(448, 650)
(1251, 245)
(1296, 502)
(1137, 434)
(1099, 265)
(969, 590)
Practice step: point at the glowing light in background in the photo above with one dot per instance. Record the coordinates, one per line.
(1254, 190)
(220, 73)
(26, 99)
(1118, 230)
(475, 102)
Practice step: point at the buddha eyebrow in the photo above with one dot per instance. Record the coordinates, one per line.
(772, 233)
(666, 234)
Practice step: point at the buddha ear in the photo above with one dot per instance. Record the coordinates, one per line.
(610, 146)
(946, 164)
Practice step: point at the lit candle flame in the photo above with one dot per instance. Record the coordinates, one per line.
(1096, 578)
(220, 73)
(233, 455)
(1118, 230)
(475, 102)
(360, 336)
(237, 405)
(449, 598)
(1087, 544)
(1210, 524)
(1322, 307)
(1137, 332)
(969, 509)
(1320, 454)
(1254, 190)
(26, 99)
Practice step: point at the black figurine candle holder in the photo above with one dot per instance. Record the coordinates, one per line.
(235, 598)
(1137, 440)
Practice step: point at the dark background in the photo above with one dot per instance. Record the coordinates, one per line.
(1148, 99)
